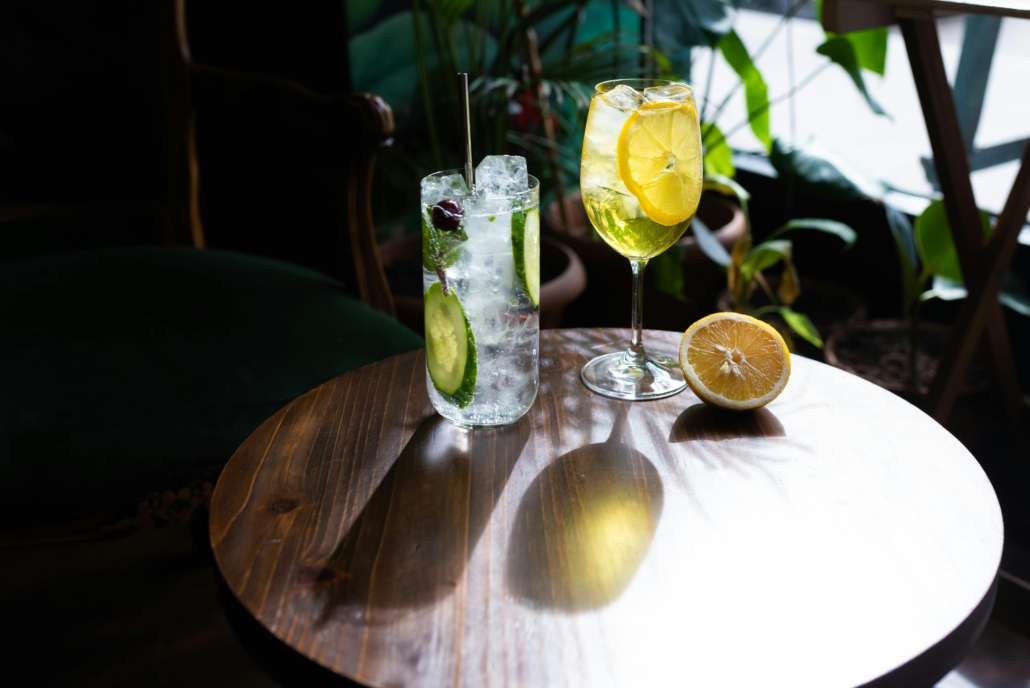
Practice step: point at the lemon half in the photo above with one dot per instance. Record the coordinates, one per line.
(734, 361)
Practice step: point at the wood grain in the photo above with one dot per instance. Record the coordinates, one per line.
(835, 538)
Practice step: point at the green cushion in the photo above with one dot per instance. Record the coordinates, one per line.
(125, 370)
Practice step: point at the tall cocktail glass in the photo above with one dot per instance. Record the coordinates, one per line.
(640, 178)
(481, 287)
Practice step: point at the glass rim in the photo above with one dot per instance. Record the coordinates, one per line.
(638, 83)
(534, 183)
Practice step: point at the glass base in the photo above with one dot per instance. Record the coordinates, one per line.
(619, 375)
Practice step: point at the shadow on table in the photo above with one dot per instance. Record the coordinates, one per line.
(703, 422)
(411, 542)
(585, 524)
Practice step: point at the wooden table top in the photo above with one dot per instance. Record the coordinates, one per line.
(830, 539)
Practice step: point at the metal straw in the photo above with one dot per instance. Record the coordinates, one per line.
(469, 172)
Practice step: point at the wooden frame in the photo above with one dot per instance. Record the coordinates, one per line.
(365, 118)
(983, 263)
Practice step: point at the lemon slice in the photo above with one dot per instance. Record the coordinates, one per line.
(659, 155)
(734, 361)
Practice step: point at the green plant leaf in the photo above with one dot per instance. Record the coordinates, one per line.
(840, 50)
(837, 229)
(1013, 294)
(870, 45)
(908, 262)
(944, 289)
(756, 93)
(718, 158)
(935, 244)
(802, 325)
(689, 24)
(727, 187)
(667, 271)
(708, 244)
(763, 256)
(870, 49)
(822, 173)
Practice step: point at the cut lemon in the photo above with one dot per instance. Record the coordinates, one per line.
(734, 361)
(659, 155)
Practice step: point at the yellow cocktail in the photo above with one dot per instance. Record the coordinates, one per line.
(640, 179)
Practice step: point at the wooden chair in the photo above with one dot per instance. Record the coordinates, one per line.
(983, 263)
(137, 354)
(345, 129)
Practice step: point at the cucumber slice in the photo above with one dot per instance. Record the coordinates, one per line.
(450, 347)
(525, 243)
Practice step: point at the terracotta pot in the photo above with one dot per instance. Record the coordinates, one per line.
(878, 350)
(562, 276)
(606, 301)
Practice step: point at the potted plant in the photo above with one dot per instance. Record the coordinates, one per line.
(903, 355)
(749, 289)
(681, 32)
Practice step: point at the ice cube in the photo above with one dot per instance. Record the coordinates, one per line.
(673, 92)
(437, 187)
(502, 175)
(623, 97)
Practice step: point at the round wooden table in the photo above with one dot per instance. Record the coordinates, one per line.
(837, 537)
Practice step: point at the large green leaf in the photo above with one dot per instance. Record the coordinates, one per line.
(838, 229)
(393, 73)
(870, 49)
(686, 24)
(802, 325)
(822, 173)
(727, 187)
(1013, 294)
(718, 158)
(708, 244)
(756, 93)
(840, 50)
(908, 262)
(870, 46)
(935, 244)
(763, 256)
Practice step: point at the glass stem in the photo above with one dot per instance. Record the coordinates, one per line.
(636, 347)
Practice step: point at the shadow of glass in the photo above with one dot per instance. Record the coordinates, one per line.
(703, 422)
(410, 544)
(584, 525)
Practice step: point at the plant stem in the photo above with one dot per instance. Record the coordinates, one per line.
(708, 85)
(544, 106)
(636, 347)
(791, 11)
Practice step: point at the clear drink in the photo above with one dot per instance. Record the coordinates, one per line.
(481, 285)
